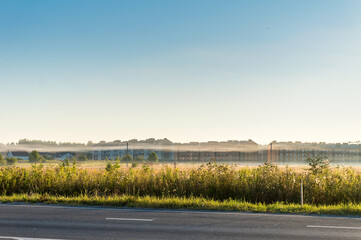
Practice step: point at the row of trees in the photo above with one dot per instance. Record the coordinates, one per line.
(49, 143)
(35, 157)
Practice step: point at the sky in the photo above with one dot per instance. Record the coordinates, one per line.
(183, 70)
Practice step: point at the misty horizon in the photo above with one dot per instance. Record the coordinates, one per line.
(165, 144)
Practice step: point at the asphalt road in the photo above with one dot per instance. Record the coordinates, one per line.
(24, 221)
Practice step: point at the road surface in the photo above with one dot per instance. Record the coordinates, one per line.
(40, 221)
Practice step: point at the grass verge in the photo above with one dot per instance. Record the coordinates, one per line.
(185, 203)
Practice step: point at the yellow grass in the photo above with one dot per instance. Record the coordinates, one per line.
(100, 164)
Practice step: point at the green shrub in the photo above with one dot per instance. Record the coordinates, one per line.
(34, 157)
(11, 160)
(318, 164)
(127, 158)
(2, 160)
(153, 157)
(112, 166)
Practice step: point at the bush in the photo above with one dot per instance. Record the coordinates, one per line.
(152, 157)
(127, 158)
(34, 157)
(112, 166)
(2, 160)
(318, 164)
(11, 160)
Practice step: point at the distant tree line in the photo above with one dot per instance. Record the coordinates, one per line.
(36, 157)
(49, 143)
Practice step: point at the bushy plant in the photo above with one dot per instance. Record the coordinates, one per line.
(318, 164)
(2, 160)
(153, 157)
(112, 166)
(127, 158)
(11, 160)
(34, 157)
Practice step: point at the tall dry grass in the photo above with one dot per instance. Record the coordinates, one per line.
(263, 184)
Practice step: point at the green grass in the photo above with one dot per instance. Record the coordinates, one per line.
(184, 203)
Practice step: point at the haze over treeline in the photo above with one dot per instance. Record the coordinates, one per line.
(152, 143)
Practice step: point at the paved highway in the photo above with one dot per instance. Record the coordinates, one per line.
(28, 222)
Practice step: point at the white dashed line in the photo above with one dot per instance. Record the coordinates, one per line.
(132, 219)
(26, 238)
(333, 227)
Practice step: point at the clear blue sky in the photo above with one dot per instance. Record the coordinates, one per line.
(76, 70)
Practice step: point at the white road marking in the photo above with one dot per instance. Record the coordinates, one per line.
(132, 219)
(25, 238)
(333, 227)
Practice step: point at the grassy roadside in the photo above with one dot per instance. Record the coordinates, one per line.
(185, 203)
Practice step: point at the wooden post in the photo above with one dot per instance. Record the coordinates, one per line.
(301, 193)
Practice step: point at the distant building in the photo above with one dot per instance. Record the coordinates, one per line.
(18, 154)
(230, 151)
(112, 150)
(288, 152)
(224, 151)
(64, 156)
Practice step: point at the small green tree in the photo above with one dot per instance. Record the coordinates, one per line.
(112, 166)
(34, 157)
(2, 160)
(317, 164)
(109, 166)
(152, 157)
(11, 160)
(127, 158)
